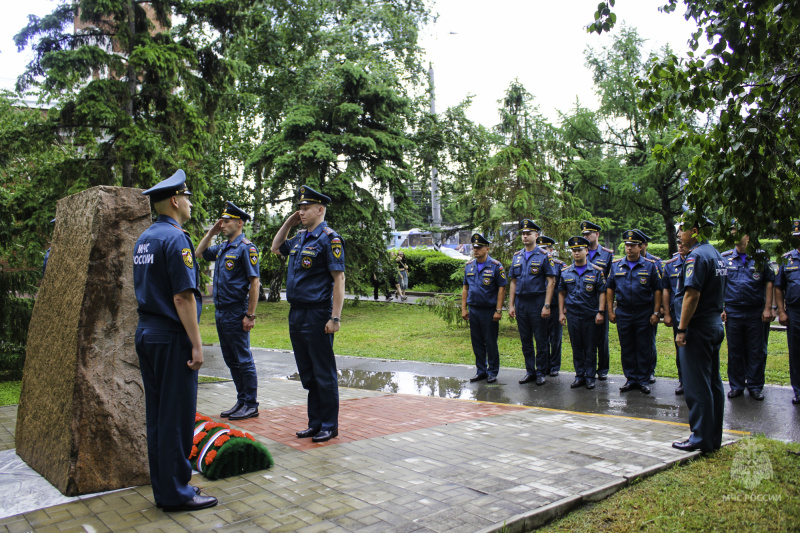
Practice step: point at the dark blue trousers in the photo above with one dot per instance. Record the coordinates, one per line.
(677, 348)
(483, 332)
(793, 338)
(316, 364)
(583, 337)
(601, 341)
(170, 392)
(635, 343)
(532, 327)
(746, 358)
(555, 332)
(234, 342)
(702, 384)
(654, 357)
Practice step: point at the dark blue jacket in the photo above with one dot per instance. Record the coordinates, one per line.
(582, 291)
(531, 274)
(312, 257)
(745, 294)
(602, 258)
(705, 271)
(672, 272)
(235, 263)
(634, 289)
(482, 287)
(788, 279)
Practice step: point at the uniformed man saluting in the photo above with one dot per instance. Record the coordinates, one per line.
(166, 281)
(635, 284)
(236, 286)
(582, 306)
(533, 277)
(484, 292)
(701, 291)
(315, 290)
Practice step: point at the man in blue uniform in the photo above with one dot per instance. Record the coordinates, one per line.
(315, 290)
(484, 292)
(787, 294)
(701, 291)
(602, 257)
(672, 271)
(166, 281)
(748, 305)
(236, 287)
(555, 331)
(533, 277)
(582, 306)
(635, 284)
(659, 264)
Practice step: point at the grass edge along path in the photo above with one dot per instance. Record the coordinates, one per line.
(750, 485)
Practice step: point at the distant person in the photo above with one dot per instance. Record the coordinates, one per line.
(315, 291)
(380, 278)
(482, 297)
(582, 306)
(555, 331)
(532, 287)
(402, 276)
(166, 281)
(787, 294)
(748, 306)
(701, 293)
(602, 257)
(236, 285)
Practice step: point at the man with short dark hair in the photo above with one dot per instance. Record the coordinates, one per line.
(602, 257)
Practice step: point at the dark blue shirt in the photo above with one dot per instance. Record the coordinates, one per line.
(602, 258)
(745, 294)
(582, 290)
(234, 264)
(705, 271)
(660, 266)
(634, 289)
(483, 285)
(672, 271)
(312, 258)
(788, 279)
(163, 266)
(531, 273)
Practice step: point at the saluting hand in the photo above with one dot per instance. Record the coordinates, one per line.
(294, 219)
(216, 229)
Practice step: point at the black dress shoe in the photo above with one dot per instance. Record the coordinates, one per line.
(325, 435)
(478, 377)
(757, 395)
(554, 373)
(195, 504)
(645, 389)
(306, 433)
(796, 400)
(528, 378)
(491, 379)
(652, 378)
(579, 382)
(603, 376)
(684, 446)
(628, 386)
(735, 393)
(679, 390)
(229, 412)
(540, 380)
(196, 491)
(590, 384)
(244, 412)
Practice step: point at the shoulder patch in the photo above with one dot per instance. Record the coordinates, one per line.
(787, 254)
(559, 261)
(655, 258)
(617, 260)
(470, 261)
(328, 230)
(517, 253)
(567, 268)
(336, 240)
(596, 267)
(650, 260)
(726, 254)
(247, 241)
(673, 259)
(607, 249)
(495, 261)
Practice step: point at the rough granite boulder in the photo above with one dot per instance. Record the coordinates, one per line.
(81, 418)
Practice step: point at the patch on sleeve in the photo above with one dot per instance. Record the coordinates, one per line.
(337, 249)
(253, 256)
(188, 260)
(336, 240)
(689, 271)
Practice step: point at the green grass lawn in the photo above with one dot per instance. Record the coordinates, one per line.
(703, 496)
(409, 332)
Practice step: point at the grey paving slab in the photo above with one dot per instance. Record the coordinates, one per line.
(514, 470)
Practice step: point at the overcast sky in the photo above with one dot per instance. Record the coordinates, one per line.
(540, 42)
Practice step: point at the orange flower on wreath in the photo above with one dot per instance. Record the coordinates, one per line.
(210, 457)
(198, 417)
(222, 439)
(194, 452)
(236, 433)
(215, 425)
(249, 436)
(200, 436)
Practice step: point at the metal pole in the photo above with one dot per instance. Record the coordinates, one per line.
(435, 208)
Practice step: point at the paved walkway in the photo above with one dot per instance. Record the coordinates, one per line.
(401, 463)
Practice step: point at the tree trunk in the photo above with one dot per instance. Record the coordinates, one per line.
(127, 165)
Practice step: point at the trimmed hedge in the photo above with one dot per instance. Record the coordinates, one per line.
(433, 268)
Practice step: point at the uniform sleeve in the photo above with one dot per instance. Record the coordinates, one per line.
(466, 267)
(511, 270)
(500, 276)
(287, 245)
(601, 281)
(611, 282)
(561, 287)
(251, 261)
(179, 261)
(210, 253)
(549, 267)
(769, 274)
(696, 273)
(780, 278)
(658, 278)
(335, 248)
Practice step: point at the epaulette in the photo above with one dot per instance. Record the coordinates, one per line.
(566, 268)
(328, 230)
(676, 253)
(617, 260)
(726, 254)
(651, 260)
(673, 259)
(495, 262)
(596, 267)
(471, 261)
(607, 249)
(519, 252)
(656, 258)
(787, 254)
(246, 241)
(557, 260)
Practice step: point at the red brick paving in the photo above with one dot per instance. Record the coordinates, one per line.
(364, 418)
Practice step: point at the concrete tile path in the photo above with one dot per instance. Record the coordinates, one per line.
(402, 463)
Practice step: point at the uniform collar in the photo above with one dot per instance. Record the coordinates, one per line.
(317, 231)
(796, 253)
(235, 242)
(586, 267)
(639, 262)
(168, 220)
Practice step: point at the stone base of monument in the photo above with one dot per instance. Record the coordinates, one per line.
(81, 417)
